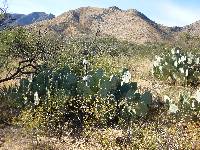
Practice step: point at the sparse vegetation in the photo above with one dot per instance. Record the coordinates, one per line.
(96, 93)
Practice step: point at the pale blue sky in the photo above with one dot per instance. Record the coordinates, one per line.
(166, 12)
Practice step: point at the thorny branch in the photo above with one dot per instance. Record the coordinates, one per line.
(21, 69)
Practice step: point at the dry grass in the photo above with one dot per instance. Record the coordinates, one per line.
(149, 136)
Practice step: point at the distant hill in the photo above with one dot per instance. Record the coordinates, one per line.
(22, 20)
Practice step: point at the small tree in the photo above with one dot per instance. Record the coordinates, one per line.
(22, 51)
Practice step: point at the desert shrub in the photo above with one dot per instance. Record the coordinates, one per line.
(177, 67)
(10, 107)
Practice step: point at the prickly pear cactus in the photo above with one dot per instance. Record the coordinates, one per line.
(177, 67)
(146, 97)
(95, 89)
(83, 89)
(141, 109)
(104, 87)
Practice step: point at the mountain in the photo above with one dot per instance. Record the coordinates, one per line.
(130, 25)
(22, 20)
(192, 29)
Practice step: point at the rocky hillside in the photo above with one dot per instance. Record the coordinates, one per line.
(193, 29)
(130, 25)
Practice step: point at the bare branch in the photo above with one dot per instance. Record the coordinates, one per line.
(21, 69)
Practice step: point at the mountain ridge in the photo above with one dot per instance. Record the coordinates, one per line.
(130, 25)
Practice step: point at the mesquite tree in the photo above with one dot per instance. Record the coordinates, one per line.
(22, 52)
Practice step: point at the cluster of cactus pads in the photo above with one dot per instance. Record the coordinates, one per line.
(187, 107)
(96, 84)
(178, 67)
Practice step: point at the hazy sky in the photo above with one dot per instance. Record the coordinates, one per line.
(166, 12)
